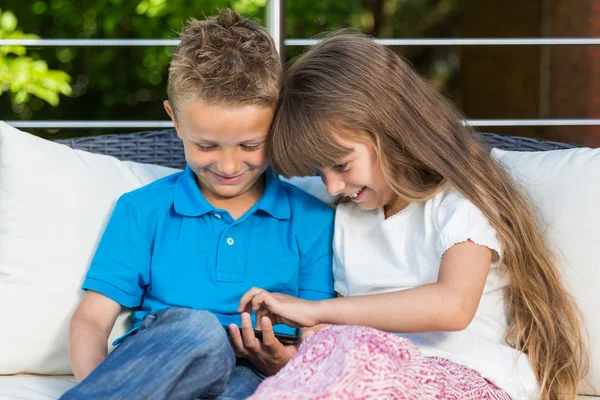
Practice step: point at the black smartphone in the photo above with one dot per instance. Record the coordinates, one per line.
(284, 338)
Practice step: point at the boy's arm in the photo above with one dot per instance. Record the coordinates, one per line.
(90, 327)
(117, 277)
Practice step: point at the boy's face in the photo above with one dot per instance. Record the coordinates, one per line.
(224, 145)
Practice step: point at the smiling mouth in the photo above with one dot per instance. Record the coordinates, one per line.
(357, 193)
(228, 179)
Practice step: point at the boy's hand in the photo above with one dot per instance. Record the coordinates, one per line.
(268, 355)
(280, 308)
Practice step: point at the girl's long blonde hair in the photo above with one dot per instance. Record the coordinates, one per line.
(349, 82)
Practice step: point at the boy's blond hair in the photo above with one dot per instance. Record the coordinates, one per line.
(225, 59)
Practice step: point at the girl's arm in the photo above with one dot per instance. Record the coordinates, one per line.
(447, 305)
(90, 327)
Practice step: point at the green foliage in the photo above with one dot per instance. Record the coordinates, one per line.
(24, 76)
(112, 83)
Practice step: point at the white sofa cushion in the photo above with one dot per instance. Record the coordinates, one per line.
(54, 204)
(564, 186)
(35, 387)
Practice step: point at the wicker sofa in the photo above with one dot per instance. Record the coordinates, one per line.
(164, 148)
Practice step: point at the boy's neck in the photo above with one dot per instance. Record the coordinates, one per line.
(238, 205)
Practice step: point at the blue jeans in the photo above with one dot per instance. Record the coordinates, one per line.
(177, 353)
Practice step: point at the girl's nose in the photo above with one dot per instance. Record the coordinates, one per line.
(335, 186)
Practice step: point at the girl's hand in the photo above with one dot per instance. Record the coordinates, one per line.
(308, 332)
(280, 308)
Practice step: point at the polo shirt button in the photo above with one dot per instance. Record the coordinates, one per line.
(230, 241)
(217, 216)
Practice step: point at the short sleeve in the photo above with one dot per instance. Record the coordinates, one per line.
(339, 273)
(459, 220)
(121, 265)
(315, 277)
(344, 224)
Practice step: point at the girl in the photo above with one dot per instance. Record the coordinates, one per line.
(433, 241)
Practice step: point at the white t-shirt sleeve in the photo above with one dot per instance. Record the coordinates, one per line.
(459, 220)
(340, 283)
(339, 275)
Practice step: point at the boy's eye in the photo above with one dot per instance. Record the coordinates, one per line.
(202, 147)
(341, 167)
(251, 147)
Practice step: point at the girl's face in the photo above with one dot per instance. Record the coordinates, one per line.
(359, 177)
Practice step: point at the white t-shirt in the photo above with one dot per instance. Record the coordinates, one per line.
(377, 255)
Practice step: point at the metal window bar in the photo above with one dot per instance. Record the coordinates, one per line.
(467, 42)
(275, 19)
(169, 124)
(308, 42)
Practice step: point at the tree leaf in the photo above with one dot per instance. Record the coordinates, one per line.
(8, 21)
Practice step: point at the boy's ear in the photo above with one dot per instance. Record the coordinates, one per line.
(169, 110)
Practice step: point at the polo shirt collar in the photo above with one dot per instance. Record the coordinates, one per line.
(187, 198)
(189, 201)
(274, 200)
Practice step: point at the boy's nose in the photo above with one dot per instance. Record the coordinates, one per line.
(229, 166)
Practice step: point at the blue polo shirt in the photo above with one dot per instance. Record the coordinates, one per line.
(166, 246)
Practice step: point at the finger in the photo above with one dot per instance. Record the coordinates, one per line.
(235, 338)
(269, 339)
(265, 313)
(247, 298)
(250, 341)
(266, 301)
(259, 300)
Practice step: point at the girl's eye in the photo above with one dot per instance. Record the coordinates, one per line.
(341, 167)
(251, 147)
(205, 147)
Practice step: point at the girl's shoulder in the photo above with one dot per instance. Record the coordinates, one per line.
(450, 202)
(449, 197)
(456, 219)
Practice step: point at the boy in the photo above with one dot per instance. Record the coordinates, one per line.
(182, 250)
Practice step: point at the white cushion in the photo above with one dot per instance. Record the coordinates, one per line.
(54, 204)
(313, 185)
(564, 185)
(35, 387)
